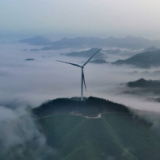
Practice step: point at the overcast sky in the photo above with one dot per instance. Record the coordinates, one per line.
(71, 18)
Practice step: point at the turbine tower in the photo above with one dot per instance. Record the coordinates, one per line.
(82, 72)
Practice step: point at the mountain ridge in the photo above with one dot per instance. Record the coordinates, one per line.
(37, 40)
(143, 60)
(143, 85)
(84, 42)
(86, 53)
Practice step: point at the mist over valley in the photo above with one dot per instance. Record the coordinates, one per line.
(79, 80)
(32, 79)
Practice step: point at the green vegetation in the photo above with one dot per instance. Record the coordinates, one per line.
(115, 136)
(118, 134)
(89, 107)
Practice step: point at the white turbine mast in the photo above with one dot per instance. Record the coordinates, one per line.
(82, 72)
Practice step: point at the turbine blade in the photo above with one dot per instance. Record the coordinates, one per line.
(70, 63)
(84, 81)
(90, 57)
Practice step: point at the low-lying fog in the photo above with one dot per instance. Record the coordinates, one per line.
(30, 78)
(31, 82)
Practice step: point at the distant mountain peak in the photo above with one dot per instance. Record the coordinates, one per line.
(37, 40)
(146, 59)
(87, 53)
(88, 42)
(152, 48)
(64, 39)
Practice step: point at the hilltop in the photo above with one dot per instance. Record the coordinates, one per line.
(117, 134)
(90, 107)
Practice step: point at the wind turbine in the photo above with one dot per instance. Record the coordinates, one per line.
(82, 72)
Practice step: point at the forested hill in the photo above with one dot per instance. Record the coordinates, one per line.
(90, 107)
(116, 135)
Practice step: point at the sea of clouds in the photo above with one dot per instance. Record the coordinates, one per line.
(26, 84)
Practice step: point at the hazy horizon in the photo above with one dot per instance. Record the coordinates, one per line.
(69, 18)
